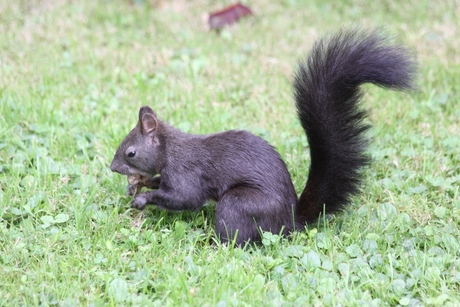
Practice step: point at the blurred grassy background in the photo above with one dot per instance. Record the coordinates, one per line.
(72, 77)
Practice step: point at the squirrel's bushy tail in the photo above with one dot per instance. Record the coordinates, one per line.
(327, 92)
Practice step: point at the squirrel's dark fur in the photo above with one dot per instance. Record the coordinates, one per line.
(244, 174)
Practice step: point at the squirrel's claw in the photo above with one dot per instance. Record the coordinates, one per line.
(131, 190)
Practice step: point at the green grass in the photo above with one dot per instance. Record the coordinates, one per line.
(72, 77)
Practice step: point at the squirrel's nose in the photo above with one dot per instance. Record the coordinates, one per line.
(113, 167)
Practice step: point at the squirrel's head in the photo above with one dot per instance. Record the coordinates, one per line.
(138, 153)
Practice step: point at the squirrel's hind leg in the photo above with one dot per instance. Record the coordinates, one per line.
(243, 212)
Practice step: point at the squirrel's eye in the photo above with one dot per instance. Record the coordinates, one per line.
(131, 154)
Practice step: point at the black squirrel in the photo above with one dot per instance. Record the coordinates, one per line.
(244, 174)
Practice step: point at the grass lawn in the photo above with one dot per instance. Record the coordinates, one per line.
(73, 75)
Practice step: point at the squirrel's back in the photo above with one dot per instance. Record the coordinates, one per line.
(250, 160)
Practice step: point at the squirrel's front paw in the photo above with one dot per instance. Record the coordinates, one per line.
(139, 202)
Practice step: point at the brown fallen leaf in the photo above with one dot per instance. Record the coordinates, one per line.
(228, 15)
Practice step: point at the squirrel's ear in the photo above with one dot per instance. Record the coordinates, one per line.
(147, 120)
